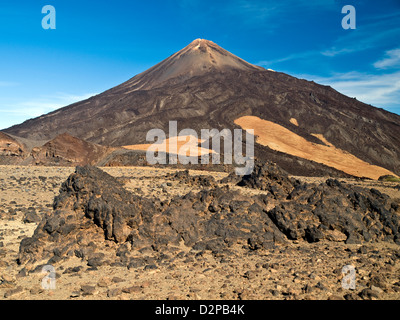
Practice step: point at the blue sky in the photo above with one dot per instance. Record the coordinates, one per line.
(97, 45)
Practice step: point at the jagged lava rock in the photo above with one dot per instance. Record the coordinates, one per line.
(270, 177)
(330, 210)
(94, 209)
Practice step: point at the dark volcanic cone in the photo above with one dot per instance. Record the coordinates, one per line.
(204, 86)
(198, 58)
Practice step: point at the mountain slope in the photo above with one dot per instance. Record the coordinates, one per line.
(11, 150)
(198, 58)
(68, 150)
(204, 86)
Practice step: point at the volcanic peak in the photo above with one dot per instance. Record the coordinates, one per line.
(198, 58)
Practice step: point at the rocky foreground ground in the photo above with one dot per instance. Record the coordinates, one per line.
(146, 233)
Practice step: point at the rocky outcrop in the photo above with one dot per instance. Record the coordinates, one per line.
(63, 150)
(11, 151)
(185, 177)
(331, 210)
(336, 212)
(268, 176)
(68, 150)
(93, 207)
(94, 211)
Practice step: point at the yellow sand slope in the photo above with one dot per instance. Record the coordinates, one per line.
(281, 139)
(185, 145)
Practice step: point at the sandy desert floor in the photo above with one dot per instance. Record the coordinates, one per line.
(297, 270)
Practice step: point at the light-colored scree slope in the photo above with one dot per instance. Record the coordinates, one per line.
(184, 145)
(281, 139)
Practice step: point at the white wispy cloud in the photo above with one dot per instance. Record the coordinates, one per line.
(378, 90)
(294, 56)
(252, 14)
(270, 13)
(366, 36)
(39, 106)
(391, 60)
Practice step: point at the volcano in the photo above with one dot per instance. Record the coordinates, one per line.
(307, 128)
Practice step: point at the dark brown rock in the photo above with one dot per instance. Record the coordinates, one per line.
(13, 292)
(115, 292)
(88, 290)
(369, 294)
(94, 207)
(270, 177)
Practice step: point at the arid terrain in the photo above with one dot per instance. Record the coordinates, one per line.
(78, 196)
(83, 216)
(289, 265)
